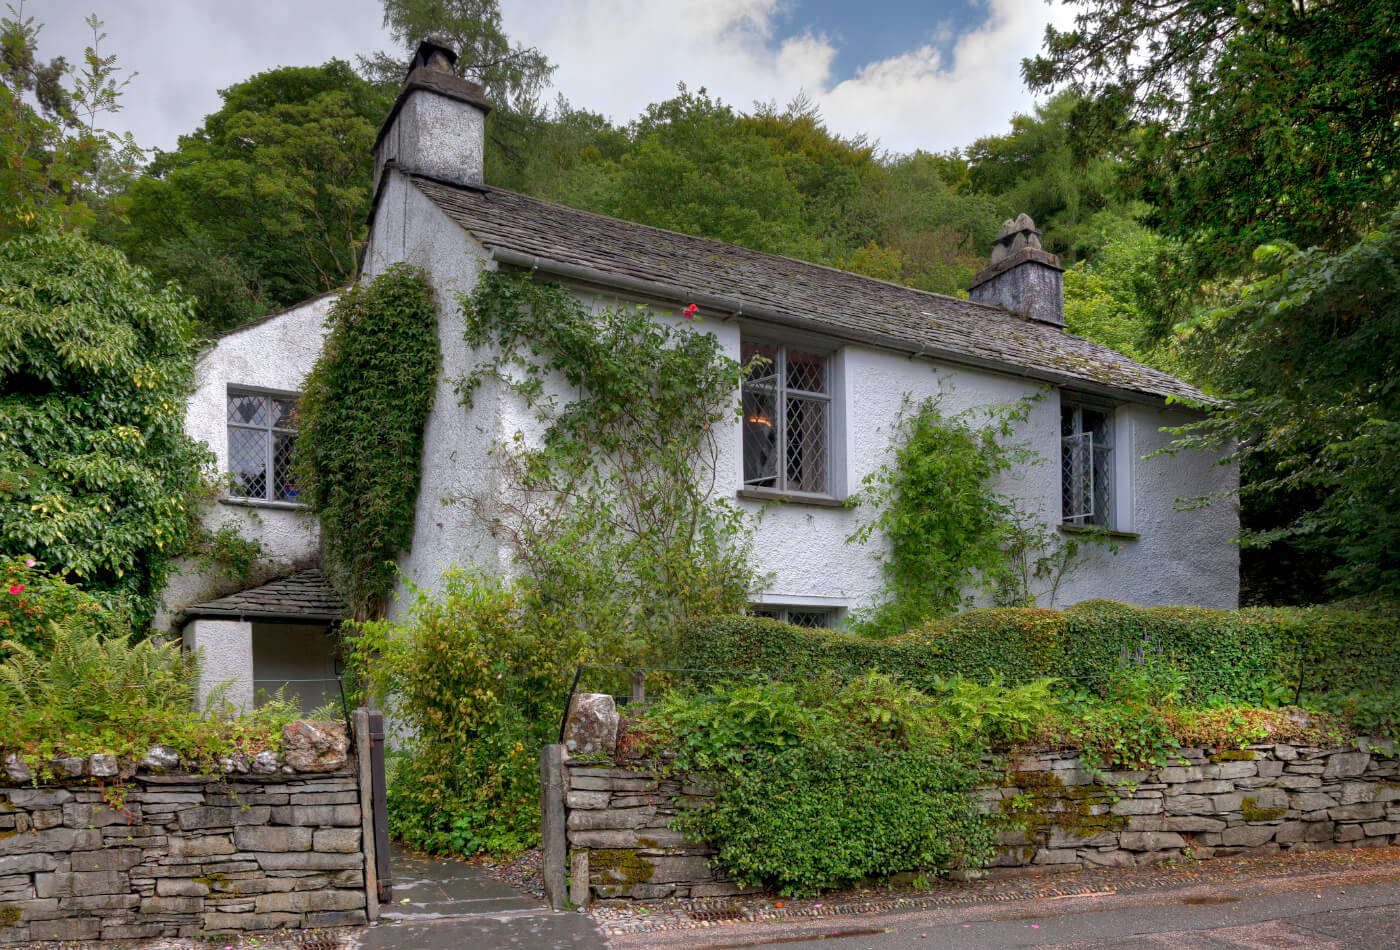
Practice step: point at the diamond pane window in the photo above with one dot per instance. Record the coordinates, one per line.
(261, 439)
(787, 419)
(1086, 472)
(819, 617)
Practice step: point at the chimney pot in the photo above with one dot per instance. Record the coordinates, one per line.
(436, 127)
(1023, 277)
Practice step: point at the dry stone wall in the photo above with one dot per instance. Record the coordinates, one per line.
(276, 843)
(1052, 810)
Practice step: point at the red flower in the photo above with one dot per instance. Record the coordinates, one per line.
(16, 588)
(689, 312)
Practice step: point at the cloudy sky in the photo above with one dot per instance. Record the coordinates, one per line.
(931, 74)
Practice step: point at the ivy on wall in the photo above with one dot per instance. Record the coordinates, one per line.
(360, 439)
(611, 514)
(950, 532)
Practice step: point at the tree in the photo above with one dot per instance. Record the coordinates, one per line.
(1131, 295)
(1074, 195)
(1309, 356)
(512, 75)
(695, 165)
(97, 475)
(266, 203)
(1273, 120)
(59, 164)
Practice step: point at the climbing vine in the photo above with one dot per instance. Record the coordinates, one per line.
(950, 533)
(611, 513)
(360, 439)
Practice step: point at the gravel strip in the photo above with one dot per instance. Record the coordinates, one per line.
(523, 871)
(627, 917)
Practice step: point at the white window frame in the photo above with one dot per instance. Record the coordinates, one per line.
(270, 450)
(1104, 477)
(830, 407)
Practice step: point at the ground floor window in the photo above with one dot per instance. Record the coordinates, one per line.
(798, 616)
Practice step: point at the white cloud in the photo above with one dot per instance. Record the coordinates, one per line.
(615, 56)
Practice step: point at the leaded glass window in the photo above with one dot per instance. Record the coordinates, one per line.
(1086, 446)
(787, 419)
(817, 617)
(261, 437)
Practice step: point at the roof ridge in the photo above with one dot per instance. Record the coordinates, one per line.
(785, 288)
(488, 189)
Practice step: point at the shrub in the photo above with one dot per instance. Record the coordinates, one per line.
(32, 598)
(823, 782)
(821, 815)
(89, 687)
(475, 679)
(97, 473)
(1241, 656)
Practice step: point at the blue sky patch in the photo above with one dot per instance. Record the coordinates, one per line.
(865, 31)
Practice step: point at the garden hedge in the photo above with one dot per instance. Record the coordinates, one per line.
(1238, 654)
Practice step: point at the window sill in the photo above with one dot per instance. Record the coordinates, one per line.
(790, 498)
(263, 503)
(1108, 533)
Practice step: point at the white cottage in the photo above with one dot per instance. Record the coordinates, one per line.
(848, 352)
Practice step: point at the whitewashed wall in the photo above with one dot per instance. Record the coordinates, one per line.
(409, 227)
(1179, 557)
(275, 354)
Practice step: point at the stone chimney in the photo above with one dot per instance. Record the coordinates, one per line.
(437, 126)
(1022, 278)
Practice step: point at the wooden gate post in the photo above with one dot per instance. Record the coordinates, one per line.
(552, 831)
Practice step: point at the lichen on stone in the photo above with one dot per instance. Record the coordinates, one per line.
(1046, 804)
(1241, 755)
(624, 863)
(1251, 811)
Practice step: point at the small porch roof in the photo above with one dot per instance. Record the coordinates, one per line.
(303, 597)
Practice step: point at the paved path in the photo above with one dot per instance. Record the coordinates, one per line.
(440, 904)
(1345, 910)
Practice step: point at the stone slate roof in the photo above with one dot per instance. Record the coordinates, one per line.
(821, 298)
(303, 596)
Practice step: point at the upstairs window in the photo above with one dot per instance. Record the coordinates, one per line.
(261, 436)
(787, 419)
(1086, 447)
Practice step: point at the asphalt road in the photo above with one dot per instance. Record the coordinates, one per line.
(1319, 912)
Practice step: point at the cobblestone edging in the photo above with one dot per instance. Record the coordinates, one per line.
(182, 854)
(1054, 812)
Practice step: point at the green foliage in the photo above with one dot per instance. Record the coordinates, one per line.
(59, 167)
(90, 687)
(265, 204)
(31, 598)
(476, 678)
(822, 815)
(360, 429)
(1039, 168)
(97, 474)
(1241, 656)
(1131, 296)
(1264, 121)
(949, 531)
(605, 514)
(224, 550)
(823, 783)
(512, 75)
(1308, 355)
